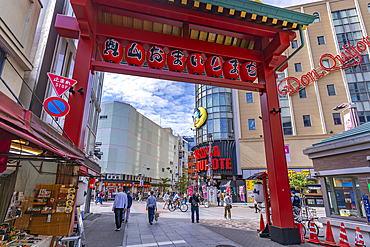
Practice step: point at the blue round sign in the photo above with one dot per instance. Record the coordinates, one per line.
(56, 107)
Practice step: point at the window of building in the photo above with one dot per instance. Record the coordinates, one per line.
(306, 120)
(294, 44)
(320, 40)
(302, 93)
(298, 67)
(249, 98)
(331, 89)
(162, 169)
(2, 60)
(103, 117)
(287, 126)
(337, 119)
(252, 124)
(325, 63)
(368, 7)
(344, 196)
(317, 15)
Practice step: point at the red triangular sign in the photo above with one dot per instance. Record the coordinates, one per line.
(61, 84)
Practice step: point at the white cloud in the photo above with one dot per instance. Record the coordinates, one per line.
(167, 103)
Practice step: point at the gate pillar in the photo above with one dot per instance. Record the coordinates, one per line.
(76, 120)
(282, 229)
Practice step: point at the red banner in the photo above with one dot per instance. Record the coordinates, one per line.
(91, 183)
(191, 191)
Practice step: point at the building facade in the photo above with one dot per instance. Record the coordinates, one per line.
(307, 115)
(131, 141)
(342, 165)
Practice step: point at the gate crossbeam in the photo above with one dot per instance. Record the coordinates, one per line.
(175, 76)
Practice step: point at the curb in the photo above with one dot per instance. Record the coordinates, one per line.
(125, 236)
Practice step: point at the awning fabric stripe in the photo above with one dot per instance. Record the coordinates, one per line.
(24, 124)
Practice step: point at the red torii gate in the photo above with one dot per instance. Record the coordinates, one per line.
(240, 29)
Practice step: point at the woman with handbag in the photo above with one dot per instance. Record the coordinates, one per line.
(228, 205)
(151, 207)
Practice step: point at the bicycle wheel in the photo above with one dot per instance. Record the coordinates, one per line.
(184, 207)
(171, 207)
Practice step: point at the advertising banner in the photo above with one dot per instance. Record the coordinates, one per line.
(191, 191)
(204, 189)
(347, 121)
(212, 196)
(366, 206)
(228, 189)
(241, 193)
(287, 153)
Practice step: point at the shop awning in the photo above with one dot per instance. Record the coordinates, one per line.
(26, 125)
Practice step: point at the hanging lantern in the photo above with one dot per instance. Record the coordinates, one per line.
(135, 54)
(176, 61)
(195, 64)
(231, 69)
(214, 66)
(248, 71)
(156, 57)
(112, 51)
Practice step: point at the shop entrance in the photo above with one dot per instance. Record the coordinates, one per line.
(251, 32)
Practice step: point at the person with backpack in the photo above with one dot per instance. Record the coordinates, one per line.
(296, 201)
(194, 202)
(129, 203)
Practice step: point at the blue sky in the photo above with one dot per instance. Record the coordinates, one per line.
(167, 103)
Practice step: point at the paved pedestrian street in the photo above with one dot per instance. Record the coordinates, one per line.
(175, 228)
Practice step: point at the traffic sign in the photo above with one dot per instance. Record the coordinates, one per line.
(56, 107)
(61, 84)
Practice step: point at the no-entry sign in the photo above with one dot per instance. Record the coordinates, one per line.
(56, 107)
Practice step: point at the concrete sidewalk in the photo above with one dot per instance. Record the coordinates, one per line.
(170, 232)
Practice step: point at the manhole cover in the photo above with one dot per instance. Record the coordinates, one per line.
(225, 245)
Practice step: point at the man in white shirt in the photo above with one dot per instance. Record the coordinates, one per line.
(120, 204)
(166, 199)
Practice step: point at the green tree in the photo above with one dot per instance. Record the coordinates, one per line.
(299, 182)
(182, 184)
(164, 183)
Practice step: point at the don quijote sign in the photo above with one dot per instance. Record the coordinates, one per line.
(221, 156)
(351, 56)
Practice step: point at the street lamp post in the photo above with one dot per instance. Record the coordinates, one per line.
(142, 175)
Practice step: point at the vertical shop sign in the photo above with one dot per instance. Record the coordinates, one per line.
(211, 196)
(190, 190)
(204, 189)
(347, 121)
(228, 189)
(241, 193)
(287, 153)
(250, 195)
(367, 206)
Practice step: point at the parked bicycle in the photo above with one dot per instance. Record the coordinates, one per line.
(172, 206)
(304, 215)
(203, 201)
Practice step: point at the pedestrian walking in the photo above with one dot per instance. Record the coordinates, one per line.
(256, 207)
(222, 199)
(126, 213)
(151, 207)
(228, 205)
(185, 197)
(119, 205)
(140, 197)
(194, 202)
(218, 198)
(166, 199)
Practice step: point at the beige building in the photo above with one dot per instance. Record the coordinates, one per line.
(18, 22)
(307, 115)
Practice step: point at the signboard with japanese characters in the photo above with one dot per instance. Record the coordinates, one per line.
(61, 84)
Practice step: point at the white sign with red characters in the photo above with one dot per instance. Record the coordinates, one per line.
(61, 84)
